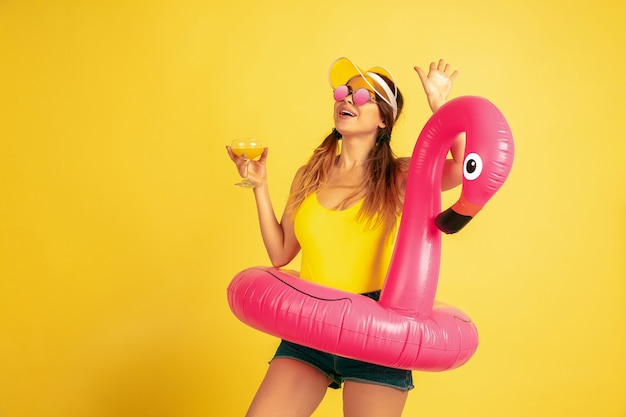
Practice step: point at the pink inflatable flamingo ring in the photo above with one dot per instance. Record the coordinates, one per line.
(407, 328)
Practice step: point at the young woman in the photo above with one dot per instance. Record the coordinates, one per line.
(342, 212)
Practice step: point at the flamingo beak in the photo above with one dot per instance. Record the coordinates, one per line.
(456, 217)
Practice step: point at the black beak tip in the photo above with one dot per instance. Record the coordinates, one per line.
(451, 222)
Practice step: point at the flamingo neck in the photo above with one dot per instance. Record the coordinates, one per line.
(411, 282)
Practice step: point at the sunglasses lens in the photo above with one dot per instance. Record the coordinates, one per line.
(341, 92)
(361, 96)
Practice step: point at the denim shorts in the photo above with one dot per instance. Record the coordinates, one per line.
(339, 369)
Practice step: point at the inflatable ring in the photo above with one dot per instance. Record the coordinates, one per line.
(406, 328)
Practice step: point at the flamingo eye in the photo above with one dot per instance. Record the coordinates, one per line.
(472, 166)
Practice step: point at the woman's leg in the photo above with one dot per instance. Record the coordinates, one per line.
(370, 400)
(290, 388)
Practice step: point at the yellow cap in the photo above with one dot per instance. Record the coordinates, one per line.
(343, 69)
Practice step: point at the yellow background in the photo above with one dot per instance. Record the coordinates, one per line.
(120, 227)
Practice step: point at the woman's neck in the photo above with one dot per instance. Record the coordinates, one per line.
(354, 153)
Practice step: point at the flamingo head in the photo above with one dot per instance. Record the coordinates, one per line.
(487, 163)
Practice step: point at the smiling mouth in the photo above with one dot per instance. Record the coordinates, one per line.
(347, 113)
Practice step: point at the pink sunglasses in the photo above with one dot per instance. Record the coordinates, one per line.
(360, 96)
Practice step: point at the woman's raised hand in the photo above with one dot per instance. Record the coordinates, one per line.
(437, 83)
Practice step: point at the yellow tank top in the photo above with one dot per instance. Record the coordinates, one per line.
(338, 251)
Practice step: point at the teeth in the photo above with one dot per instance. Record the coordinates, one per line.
(347, 113)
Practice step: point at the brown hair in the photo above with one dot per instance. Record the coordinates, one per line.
(382, 202)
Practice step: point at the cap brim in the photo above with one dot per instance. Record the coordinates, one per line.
(343, 69)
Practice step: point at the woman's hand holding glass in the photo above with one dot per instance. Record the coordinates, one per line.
(243, 152)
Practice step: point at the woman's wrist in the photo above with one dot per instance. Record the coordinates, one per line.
(435, 104)
(260, 188)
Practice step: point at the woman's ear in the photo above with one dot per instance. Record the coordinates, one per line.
(382, 124)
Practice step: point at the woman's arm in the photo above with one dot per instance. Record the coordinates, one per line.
(453, 169)
(437, 85)
(279, 238)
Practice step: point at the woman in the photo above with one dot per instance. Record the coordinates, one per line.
(343, 211)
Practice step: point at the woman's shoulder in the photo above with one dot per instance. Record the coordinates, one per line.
(298, 180)
(299, 186)
(300, 171)
(299, 174)
(403, 164)
(402, 174)
(403, 168)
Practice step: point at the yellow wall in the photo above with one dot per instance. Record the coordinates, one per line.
(120, 227)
